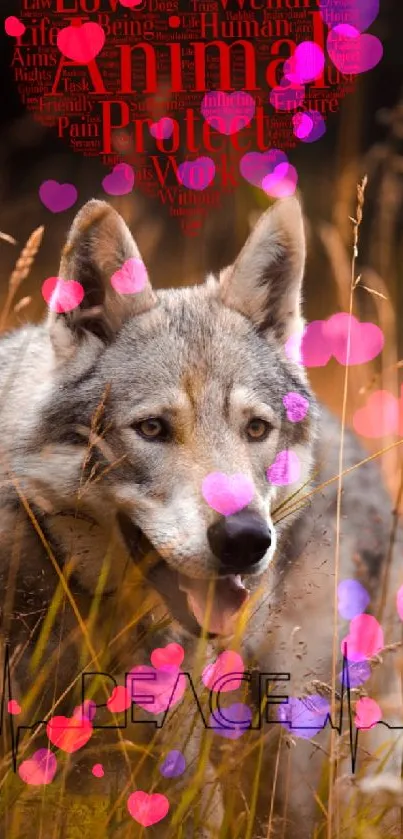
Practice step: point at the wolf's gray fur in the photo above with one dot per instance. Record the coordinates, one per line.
(90, 505)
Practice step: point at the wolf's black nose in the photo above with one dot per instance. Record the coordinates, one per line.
(239, 541)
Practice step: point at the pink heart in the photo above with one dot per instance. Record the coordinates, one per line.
(39, 769)
(171, 655)
(228, 112)
(152, 693)
(98, 770)
(226, 664)
(380, 416)
(119, 700)
(62, 296)
(315, 349)
(287, 97)
(131, 278)
(309, 126)
(399, 603)
(285, 470)
(57, 197)
(351, 52)
(306, 64)
(227, 494)
(254, 166)
(282, 182)
(120, 181)
(69, 734)
(366, 339)
(197, 174)
(130, 4)
(147, 809)
(14, 27)
(162, 129)
(359, 13)
(365, 638)
(367, 713)
(13, 707)
(296, 406)
(81, 43)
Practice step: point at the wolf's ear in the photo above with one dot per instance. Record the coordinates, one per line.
(98, 245)
(264, 284)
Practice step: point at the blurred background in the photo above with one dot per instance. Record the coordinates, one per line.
(364, 138)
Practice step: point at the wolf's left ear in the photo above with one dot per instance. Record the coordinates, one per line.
(264, 284)
(98, 245)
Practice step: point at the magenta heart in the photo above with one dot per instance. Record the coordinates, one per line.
(315, 349)
(365, 638)
(57, 197)
(39, 769)
(282, 182)
(14, 27)
(218, 676)
(351, 52)
(162, 129)
(309, 126)
(120, 181)
(367, 713)
(171, 655)
(147, 809)
(366, 339)
(228, 112)
(62, 296)
(379, 417)
(296, 406)
(254, 166)
(287, 97)
(285, 469)
(81, 43)
(227, 494)
(131, 278)
(197, 174)
(399, 602)
(357, 13)
(306, 64)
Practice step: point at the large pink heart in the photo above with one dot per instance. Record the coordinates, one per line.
(226, 664)
(147, 809)
(351, 52)
(227, 494)
(367, 713)
(366, 339)
(81, 43)
(62, 296)
(39, 769)
(172, 656)
(131, 278)
(69, 734)
(365, 638)
(254, 166)
(382, 415)
(228, 112)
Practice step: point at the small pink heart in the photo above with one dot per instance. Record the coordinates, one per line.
(228, 112)
(365, 638)
(282, 182)
(57, 197)
(171, 655)
(227, 494)
(81, 43)
(14, 27)
(13, 707)
(367, 713)
(379, 417)
(254, 165)
(315, 348)
(62, 296)
(156, 690)
(98, 770)
(196, 174)
(119, 700)
(162, 129)
(296, 405)
(120, 181)
(39, 769)
(285, 469)
(69, 734)
(131, 278)
(147, 809)
(351, 52)
(225, 665)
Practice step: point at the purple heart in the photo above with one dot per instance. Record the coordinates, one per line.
(254, 166)
(287, 97)
(351, 52)
(57, 197)
(173, 765)
(309, 126)
(296, 406)
(120, 181)
(285, 470)
(196, 174)
(304, 717)
(231, 722)
(357, 13)
(358, 673)
(353, 599)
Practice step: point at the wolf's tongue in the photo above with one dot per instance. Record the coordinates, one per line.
(224, 603)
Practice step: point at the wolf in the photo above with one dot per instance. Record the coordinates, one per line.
(113, 415)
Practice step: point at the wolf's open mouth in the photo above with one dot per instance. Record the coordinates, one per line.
(191, 601)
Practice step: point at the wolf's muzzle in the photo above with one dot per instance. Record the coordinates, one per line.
(239, 541)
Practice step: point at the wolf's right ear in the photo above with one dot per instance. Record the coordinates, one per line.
(264, 284)
(98, 245)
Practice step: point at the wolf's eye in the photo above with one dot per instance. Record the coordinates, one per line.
(258, 429)
(152, 429)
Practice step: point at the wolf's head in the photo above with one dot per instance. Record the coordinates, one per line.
(176, 385)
